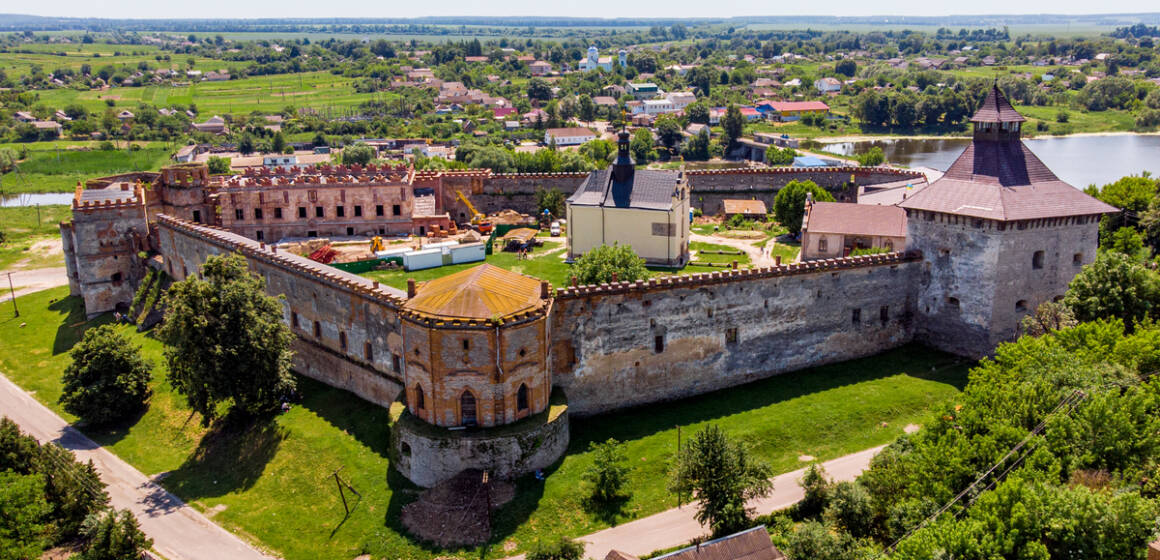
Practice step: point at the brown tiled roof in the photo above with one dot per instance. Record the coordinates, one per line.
(856, 219)
(996, 108)
(744, 206)
(482, 293)
(753, 544)
(1003, 181)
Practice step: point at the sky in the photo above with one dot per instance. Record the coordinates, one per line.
(570, 8)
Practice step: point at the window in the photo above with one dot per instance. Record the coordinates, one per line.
(396, 210)
(293, 319)
(731, 335)
(395, 363)
(257, 213)
(317, 329)
(420, 403)
(342, 341)
(823, 245)
(197, 216)
(368, 352)
(953, 303)
(277, 213)
(1037, 260)
(239, 214)
(884, 314)
(405, 448)
(312, 233)
(664, 229)
(301, 211)
(1021, 306)
(522, 398)
(340, 211)
(889, 246)
(319, 212)
(116, 278)
(358, 211)
(259, 235)
(659, 344)
(856, 316)
(378, 209)
(1077, 259)
(350, 231)
(466, 345)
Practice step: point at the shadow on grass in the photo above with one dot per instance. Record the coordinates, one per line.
(230, 457)
(73, 323)
(109, 434)
(608, 512)
(368, 423)
(914, 360)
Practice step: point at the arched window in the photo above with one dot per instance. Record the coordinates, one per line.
(467, 408)
(522, 398)
(1037, 259)
(420, 404)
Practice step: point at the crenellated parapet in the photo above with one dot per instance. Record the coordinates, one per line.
(704, 279)
(856, 170)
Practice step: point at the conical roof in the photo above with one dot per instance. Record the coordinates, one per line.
(480, 293)
(997, 109)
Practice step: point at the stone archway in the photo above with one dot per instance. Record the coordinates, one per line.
(467, 409)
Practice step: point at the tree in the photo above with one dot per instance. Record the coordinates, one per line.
(733, 124)
(1130, 242)
(779, 156)
(219, 165)
(23, 516)
(721, 476)
(599, 265)
(108, 379)
(359, 153)
(562, 549)
(669, 130)
(1114, 286)
(8, 159)
(539, 89)
(278, 143)
(551, 200)
(850, 508)
(226, 340)
(701, 78)
(246, 145)
(697, 113)
(608, 473)
(114, 535)
(642, 146)
(872, 157)
(697, 147)
(789, 205)
(587, 108)
(817, 492)
(1049, 316)
(813, 541)
(846, 67)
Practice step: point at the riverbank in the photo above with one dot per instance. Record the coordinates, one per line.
(881, 137)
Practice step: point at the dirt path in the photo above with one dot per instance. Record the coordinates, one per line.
(32, 280)
(757, 255)
(178, 531)
(677, 526)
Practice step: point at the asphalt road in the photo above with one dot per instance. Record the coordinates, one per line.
(178, 531)
(31, 280)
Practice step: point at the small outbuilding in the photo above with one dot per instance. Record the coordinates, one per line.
(748, 209)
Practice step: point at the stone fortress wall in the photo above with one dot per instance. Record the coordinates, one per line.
(630, 344)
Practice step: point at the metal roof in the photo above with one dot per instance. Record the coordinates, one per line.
(482, 293)
(856, 219)
(645, 189)
(996, 108)
(744, 206)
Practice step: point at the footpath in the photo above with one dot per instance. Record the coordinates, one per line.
(179, 532)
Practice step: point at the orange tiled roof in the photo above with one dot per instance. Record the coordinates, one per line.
(481, 293)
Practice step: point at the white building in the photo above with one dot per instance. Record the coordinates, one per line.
(621, 205)
(595, 61)
(568, 136)
(826, 85)
(279, 160)
(681, 99)
(656, 107)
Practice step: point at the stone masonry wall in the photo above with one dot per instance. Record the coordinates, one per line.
(633, 344)
(347, 325)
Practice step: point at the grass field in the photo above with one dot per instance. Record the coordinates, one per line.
(52, 56)
(268, 481)
(58, 170)
(22, 230)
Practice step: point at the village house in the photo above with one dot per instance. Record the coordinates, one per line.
(835, 229)
(215, 125)
(793, 110)
(540, 68)
(568, 136)
(827, 85)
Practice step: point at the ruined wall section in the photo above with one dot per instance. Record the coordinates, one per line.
(622, 345)
(101, 245)
(711, 187)
(346, 326)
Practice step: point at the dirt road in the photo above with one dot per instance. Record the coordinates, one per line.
(178, 531)
(33, 280)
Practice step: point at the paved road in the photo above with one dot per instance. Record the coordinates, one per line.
(178, 531)
(33, 280)
(678, 526)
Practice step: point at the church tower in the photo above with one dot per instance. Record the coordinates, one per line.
(999, 234)
(593, 58)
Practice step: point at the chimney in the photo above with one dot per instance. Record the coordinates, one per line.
(410, 288)
(545, 289)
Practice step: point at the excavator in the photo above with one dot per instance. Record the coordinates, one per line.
(377, 244)
(477, 218)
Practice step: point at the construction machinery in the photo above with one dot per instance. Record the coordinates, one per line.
(377, 244)
(478, 219)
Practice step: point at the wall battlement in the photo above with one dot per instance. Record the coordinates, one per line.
(799, 170)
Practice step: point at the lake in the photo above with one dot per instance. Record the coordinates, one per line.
(1079, 160)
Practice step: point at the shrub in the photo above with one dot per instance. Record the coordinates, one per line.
(562, 549)
(873, 156)
(598, 265)
(108, 379)
(608, 473)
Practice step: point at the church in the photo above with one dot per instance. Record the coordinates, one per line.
(595, 61)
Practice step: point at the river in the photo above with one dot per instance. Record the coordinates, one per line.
(1078, 160)
(32, 199)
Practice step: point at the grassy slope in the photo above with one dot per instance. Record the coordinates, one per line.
(270, 481)
(59, 170)
(20, 226)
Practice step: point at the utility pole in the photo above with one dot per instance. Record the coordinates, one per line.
(37, 215)
(678, 459)
(12, 291)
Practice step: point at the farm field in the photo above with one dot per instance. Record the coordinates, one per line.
(252, 478)
(73, 55)
(52, 170)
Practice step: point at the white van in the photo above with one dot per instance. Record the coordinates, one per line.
(554, 229)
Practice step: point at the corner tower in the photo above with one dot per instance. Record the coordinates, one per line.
(999, 234)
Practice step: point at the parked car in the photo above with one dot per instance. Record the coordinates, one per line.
(555, 229)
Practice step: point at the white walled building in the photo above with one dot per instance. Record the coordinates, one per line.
(568, 136)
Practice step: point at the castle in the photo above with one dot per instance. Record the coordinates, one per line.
(483, 368)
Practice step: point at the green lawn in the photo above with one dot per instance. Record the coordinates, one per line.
(269, 481)
(705, 253)
(55, 169)
(22, 230)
